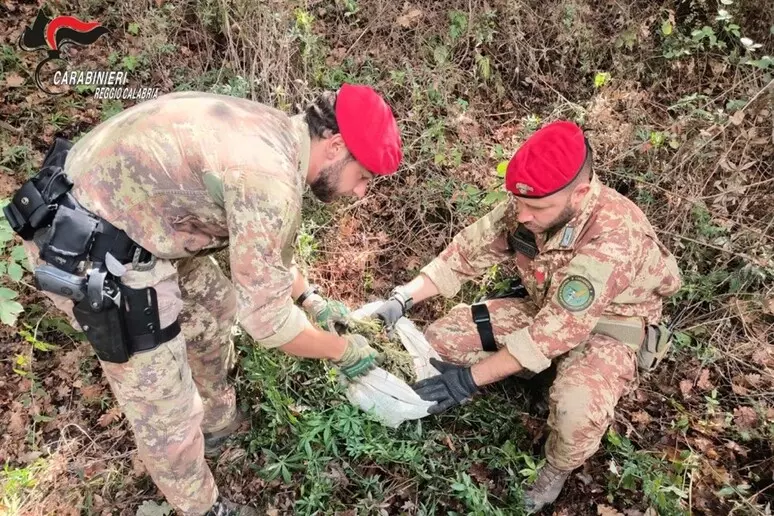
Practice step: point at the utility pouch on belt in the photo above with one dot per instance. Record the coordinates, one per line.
(72, 232)
(657, 342)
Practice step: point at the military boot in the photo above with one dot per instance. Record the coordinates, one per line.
(214, 440)
(546, 488)
(224, 507)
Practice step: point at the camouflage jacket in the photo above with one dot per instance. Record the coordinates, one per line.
(606, 261)
(192, 172)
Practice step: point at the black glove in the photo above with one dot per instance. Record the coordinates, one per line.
(450, 388)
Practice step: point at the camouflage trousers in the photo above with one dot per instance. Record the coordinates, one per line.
(590, 379)
(173, 393)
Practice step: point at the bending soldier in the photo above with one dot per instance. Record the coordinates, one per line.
(124, 220)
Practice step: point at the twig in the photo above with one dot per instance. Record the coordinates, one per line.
(8, 127)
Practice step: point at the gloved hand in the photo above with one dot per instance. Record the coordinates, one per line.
(394, 308)
(450, 388)
(389, 312)
(358, 357)
(326, 313)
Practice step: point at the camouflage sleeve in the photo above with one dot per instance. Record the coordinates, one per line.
(578, 295)
(471, 252)
(257, 208)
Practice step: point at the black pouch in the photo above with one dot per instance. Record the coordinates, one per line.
(72, 232)
(105, 329)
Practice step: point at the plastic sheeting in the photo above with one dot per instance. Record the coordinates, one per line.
(391, 400)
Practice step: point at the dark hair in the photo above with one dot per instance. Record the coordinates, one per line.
(320, 116)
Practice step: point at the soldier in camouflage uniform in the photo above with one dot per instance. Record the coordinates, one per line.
(596, 275)
(191, 173)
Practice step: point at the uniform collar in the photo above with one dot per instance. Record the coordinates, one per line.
(566, 237)
(305, 144)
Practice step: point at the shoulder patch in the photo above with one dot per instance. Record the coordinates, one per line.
(576, 293)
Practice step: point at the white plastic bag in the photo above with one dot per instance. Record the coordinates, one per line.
(389, 398)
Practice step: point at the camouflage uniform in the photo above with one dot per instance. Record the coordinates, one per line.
(606, 262)
(185, 175)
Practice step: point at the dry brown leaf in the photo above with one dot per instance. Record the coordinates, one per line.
(63, 390)
(686, 386)
(761, 356)
(113, 414)
(642, 418)
(448, 442)
(14, 80)
(734, 447)
(737, 118)
(479, 472)
(753, 379)
(770, 413)
(606, 510)
(408, 19)
(91, 392)
(704, 383)
(739, 390)
(745, 418)
(16, 426)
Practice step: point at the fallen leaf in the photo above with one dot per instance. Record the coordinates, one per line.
(753, 379)
(150, 508)
(642, 418)
(686, 386)
(138, 468)
(408, 19)
(448, 442)
(737, 118)
(113, 414)
(479, 472)
(14, 80)
(91, 392)
(63, 390)
(16, 426)
(735, 447)
(606, 510)
(702, 443)
(739, 390)
(745, 418)
(761, 356)
(704, 383)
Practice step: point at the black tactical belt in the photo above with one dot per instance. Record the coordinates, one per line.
(484, 325)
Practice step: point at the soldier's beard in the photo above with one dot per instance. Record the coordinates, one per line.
(326, 186)
(567, 214)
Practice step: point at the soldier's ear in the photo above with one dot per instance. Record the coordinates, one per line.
(579, 193)
(335, 147)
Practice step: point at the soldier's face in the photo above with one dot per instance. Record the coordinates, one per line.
(342, 178)
(550, 213)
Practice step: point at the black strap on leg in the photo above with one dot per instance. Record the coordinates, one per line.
(484, 325)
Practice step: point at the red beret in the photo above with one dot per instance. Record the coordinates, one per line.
(368, 128)
(547, 162)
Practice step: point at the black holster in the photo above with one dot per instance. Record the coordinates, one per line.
(79, 247)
